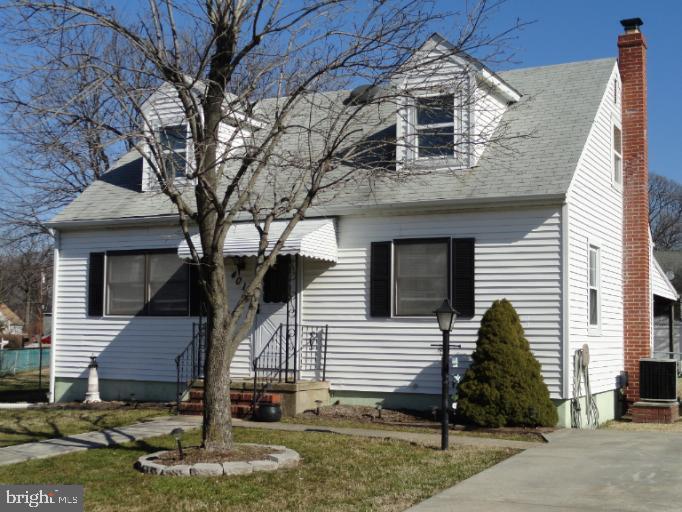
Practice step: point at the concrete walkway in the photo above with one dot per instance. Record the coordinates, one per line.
(163, 426)
(602, 470)
(80, 442)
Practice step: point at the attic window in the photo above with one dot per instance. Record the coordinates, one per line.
(172, 142)
(435, 126)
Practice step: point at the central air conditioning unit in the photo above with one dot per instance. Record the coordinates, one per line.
(658, 380)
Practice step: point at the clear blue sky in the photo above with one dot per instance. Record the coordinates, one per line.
(572, 30)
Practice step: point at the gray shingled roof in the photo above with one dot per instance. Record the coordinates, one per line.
(553, 118)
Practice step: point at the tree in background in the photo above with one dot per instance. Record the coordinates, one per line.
(221, 60)
(504, 385)
(665, 212)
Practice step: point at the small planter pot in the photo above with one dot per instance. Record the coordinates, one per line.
(268, 412)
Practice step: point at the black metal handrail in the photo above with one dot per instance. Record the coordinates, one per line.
(190, 362)
(282, 359)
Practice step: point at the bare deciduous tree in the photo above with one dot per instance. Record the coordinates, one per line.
(665, 212)
(264, 69)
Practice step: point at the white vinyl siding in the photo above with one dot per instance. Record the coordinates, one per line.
(517, 257)
(595, 216)
(127, 347)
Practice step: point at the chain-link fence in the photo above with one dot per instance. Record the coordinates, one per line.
(24, 374)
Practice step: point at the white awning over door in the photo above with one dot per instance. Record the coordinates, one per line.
(314, 238)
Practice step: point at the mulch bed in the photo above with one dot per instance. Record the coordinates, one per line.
(194, 455)
(404, 418)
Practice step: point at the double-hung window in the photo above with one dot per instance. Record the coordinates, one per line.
(435, 126)
(172, 142)
(421, 275)
(411, 277)
(617, 155)
(594, 289)
(151, 283)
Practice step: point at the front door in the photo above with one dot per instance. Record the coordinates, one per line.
(272, 313)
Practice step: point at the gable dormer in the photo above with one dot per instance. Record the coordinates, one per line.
(449, 107)
(165, 124)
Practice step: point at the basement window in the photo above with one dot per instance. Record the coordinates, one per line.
(593, 287)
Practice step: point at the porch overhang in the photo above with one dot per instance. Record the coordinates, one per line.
(313, 238)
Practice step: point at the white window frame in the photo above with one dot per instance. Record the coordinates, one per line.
(424, 127)
(180, 176)
(462, 127)
(616, 155)
(594, 248)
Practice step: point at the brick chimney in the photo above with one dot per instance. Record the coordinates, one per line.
(636, 250)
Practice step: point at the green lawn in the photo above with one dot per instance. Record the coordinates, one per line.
(23, 426)
(338, 473)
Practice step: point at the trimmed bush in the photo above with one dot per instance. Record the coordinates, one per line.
(504, 386)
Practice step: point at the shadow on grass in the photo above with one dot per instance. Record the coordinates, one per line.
(24, 387)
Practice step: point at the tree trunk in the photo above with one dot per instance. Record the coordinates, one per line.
(217, 431)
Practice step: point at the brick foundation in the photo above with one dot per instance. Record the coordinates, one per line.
(655, 412)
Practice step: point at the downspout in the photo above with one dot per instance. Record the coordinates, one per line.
(55, 316)
(565, 352)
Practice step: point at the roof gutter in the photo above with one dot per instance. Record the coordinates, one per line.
(329, 211)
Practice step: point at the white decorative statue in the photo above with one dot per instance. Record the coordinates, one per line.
(92, 394)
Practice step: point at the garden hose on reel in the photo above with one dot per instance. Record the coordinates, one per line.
(581, 361)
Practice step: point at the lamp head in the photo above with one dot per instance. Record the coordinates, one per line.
(445, 315)
(177, 433)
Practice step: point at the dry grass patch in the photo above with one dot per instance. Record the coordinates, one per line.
(194, 454)
(337, 473)
(628, 426)
(27, 425)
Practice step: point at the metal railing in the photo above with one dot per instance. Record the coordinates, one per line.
(190, 362)
(283, 359)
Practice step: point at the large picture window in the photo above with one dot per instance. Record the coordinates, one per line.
(421, 276)
(152, 283)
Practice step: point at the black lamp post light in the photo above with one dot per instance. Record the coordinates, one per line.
(445, 315)
(177, 434)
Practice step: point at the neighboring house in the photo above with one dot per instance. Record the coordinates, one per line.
(667, 324)
(543, 226)
(10, 323)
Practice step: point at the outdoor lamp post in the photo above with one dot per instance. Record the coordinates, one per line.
(177, 434)
(445, 315)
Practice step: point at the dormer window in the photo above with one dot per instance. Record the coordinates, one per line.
(435, 126)
(172, 141)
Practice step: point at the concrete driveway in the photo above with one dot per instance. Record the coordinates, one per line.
(603, 470)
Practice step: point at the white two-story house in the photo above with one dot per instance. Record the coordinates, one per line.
(544, 225)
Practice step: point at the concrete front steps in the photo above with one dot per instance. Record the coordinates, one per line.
(240, 407)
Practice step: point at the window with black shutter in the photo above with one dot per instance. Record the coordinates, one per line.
(380, 280)
(96, 284)
(463, 276)
(422, 273)
(276, 281)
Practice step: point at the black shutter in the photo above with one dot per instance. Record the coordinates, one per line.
(96, 284)
(463, 276)
(194, 290)
(380, 280)
(276, 281)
